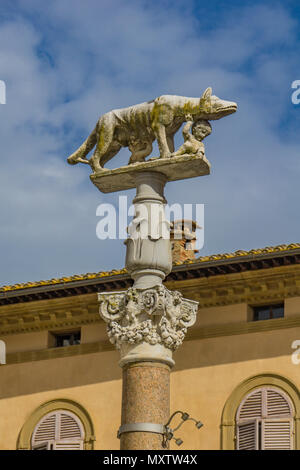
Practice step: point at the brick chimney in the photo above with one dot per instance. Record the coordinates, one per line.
(183, 240)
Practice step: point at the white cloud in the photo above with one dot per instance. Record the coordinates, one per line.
(66, 66)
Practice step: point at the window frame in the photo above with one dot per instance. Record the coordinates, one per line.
(260, 422)
(54, 335)
(25, 435)
(270, 307)
(58, 440)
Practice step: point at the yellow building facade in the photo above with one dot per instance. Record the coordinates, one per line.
(238, 370)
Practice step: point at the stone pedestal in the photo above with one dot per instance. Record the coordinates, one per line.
(175, 168)
(147, 322)
(145, 399)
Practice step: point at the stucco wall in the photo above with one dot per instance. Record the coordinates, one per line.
(206, 373)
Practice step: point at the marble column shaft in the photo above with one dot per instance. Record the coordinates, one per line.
(145, 398)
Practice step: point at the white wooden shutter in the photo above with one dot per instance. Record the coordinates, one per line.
(277, 434)
(247, 436)
(252, 406)
(66, 445)
(277, 404)
(60, 430)
(42, 446)
(46, 429)
(69, 428)
(270, 411)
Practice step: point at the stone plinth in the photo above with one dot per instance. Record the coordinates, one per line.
(145, 399)
(174, 168)
(147, 322)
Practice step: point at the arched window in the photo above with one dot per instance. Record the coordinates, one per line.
(59, 424)
(60, 430)
(264, 421)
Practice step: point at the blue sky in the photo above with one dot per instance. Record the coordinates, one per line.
(66, 62)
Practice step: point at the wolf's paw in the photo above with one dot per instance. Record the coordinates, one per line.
(166, 155)
(72, 160)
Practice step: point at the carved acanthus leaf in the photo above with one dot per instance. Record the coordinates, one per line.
(156, 316)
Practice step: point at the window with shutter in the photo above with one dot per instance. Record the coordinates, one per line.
(247, 435)
(44, 446)
(59, 430)
(264, 421)
(276, 434)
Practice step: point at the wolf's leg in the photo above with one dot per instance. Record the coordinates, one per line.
(170, 142)
(84, 149)
(160, 134)
(104, 141)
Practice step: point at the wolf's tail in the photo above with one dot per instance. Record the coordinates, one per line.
(84, 148)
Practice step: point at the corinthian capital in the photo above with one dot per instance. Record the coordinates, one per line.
(155, 316)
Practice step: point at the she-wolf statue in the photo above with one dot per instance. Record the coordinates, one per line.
(136, 127)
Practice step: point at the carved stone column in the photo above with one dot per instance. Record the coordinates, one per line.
(147, 322)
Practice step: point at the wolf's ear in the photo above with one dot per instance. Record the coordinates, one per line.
(207, 94)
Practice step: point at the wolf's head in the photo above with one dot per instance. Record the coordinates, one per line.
(211, 107)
